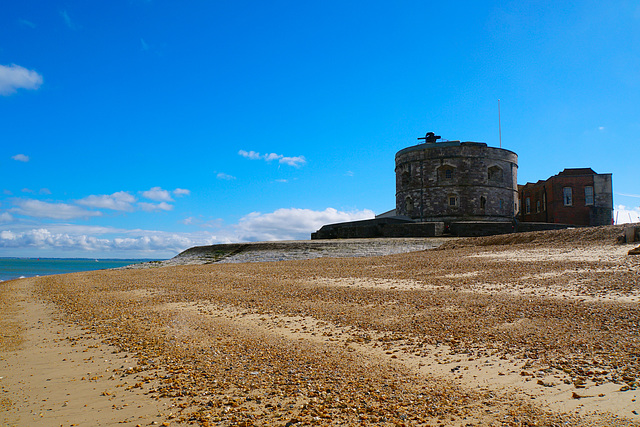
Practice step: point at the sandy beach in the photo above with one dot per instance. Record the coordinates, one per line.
(536, 329)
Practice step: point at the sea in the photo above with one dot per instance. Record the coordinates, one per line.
(16, 268)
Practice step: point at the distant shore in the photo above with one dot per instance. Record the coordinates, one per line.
(530, 329)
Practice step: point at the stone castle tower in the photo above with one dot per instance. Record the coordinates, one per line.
(456, 181)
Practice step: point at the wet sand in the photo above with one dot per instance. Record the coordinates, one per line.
(481, 332)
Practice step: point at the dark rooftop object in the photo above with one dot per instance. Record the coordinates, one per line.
(430, 137)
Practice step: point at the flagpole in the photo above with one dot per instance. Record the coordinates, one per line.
(499, 125)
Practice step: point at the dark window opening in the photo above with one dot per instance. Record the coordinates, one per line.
(567, 196)
(494, 173)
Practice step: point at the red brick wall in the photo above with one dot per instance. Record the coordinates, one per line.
(578, 212)
(535, 194)
(556, 212)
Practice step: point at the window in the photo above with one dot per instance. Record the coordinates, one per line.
(538, 206)
(527, 205)
(408, 204)
(483, 202)
(567, 196)
(501, 203)
(544, 201)
(588, 196)
(452, 200)
(445, 173)
(406, 178)
(494, 173)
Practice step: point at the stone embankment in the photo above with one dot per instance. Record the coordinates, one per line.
(295, 250)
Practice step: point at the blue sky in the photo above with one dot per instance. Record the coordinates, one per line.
(140, 128)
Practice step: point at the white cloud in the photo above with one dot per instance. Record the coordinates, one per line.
(119, 201)
(43, 238)
(292, 224)
(20, 157)
(181, 192)
(76, 240)
(224, 176)
(623, 214)
(131, 244)
(250, 154)
(190, 220)
(14, 77)
(67, 20)
(628, 195)
(27, 23)
(73, 229)
(212, 223)
(296, 161)
(44, 191)
(5, 217)
(39, 209)
(150, 207)
(157, 194)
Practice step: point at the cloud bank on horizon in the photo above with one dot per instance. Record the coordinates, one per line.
(18, 232)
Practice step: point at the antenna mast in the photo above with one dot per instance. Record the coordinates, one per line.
(499, 125)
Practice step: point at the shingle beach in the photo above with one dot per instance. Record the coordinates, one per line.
(531, 329)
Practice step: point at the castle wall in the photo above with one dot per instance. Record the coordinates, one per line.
(453, 181)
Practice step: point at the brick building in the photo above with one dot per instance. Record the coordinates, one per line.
(574, 196)
(470, 189)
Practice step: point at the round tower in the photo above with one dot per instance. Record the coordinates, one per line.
(456, 181)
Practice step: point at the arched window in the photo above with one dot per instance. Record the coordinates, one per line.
(408, 205)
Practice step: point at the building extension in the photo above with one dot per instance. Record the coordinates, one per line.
(574, 196)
